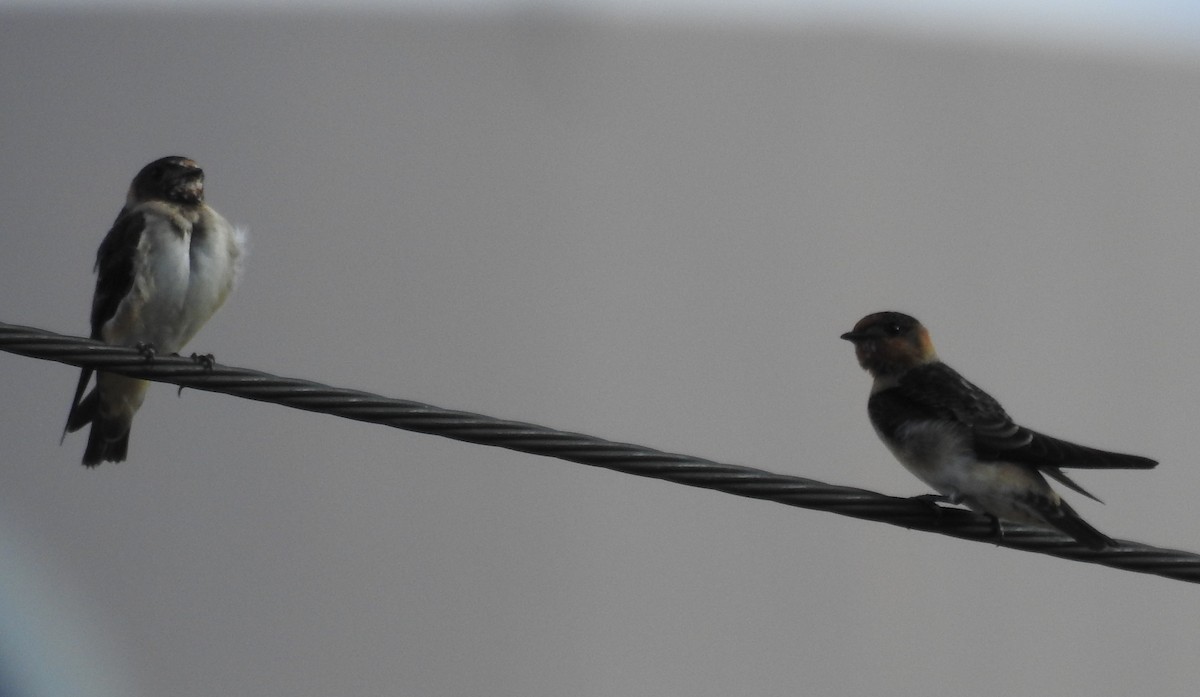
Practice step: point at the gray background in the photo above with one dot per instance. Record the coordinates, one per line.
(648, 231)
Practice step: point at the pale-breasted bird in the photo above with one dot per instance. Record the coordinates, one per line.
(164, 268)
(958, 439)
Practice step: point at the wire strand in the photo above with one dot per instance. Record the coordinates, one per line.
(588, 450)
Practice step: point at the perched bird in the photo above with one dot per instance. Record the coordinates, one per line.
(958, 439)
(164, 268)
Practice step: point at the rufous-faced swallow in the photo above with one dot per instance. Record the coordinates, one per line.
(958, 439)
(164, 268)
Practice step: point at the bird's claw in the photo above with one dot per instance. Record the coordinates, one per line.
(997, 527)
(205, 359)
(147, 350)
(932, 501)
(933, 498)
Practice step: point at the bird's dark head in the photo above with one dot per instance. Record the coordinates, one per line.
(175, 179)
(890, 343)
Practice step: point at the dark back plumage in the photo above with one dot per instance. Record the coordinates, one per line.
(941, 391)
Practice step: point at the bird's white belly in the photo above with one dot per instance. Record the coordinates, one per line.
(169, 278)
(211, 279)
(935, 453)
(941, 457)
(179, 282)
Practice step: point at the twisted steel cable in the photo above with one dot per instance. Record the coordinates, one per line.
(909, 513)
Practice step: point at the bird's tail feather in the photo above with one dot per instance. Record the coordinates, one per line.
(1066, 481)
(100, 448)
(1067, 520)
(83, 409)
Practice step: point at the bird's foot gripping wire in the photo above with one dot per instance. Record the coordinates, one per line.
(205, 359)
(932, 501)
(997, 527)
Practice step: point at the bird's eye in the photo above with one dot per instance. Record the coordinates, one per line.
(893, 330)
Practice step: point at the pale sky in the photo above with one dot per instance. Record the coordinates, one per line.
(1159, 24)
(1166, 16)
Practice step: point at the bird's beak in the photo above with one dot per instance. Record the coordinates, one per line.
(852, 336)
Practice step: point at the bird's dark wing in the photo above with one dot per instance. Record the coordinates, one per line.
(941, 391)
(1046, 451)
(994, 434)
(114, 267)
